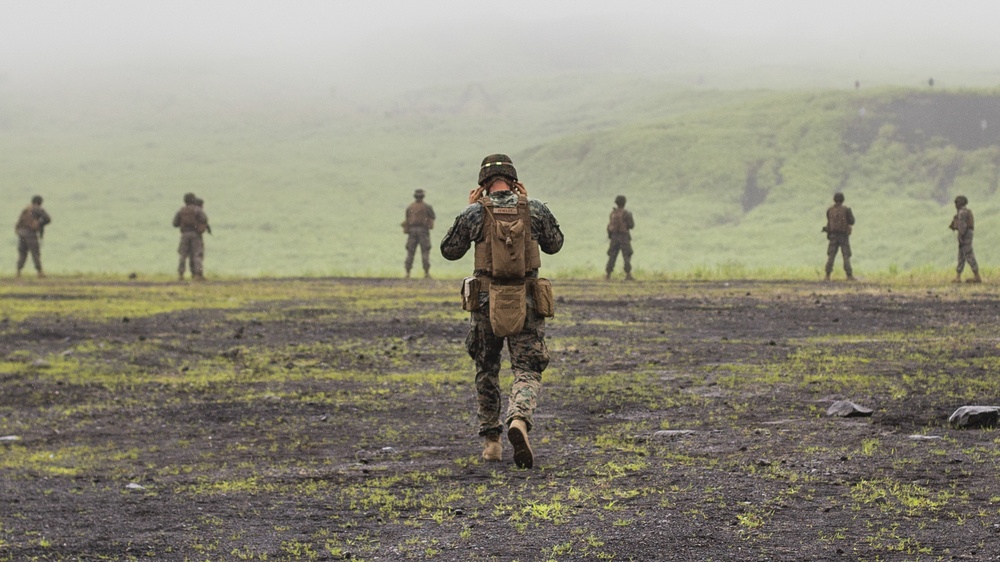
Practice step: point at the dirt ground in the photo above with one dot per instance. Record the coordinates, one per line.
(329, 420)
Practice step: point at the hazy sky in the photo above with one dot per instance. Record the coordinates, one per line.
(39, 35)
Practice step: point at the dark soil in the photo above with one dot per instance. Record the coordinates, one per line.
(277, 431)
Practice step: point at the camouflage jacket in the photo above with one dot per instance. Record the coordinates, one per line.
(468, 227)
(963, 221)
(190, 218)
(40, 219)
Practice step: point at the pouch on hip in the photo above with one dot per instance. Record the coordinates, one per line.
(470, 294)
(541, 290)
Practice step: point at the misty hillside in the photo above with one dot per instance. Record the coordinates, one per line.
(316, 183)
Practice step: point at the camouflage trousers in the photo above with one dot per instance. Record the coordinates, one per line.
(528, 358)
(28, 244)
(965, 253)
(418, 237)
(624, 245)
(192, 250)
(841, 242)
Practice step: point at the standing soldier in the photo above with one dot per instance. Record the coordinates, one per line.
(192, 221)
(30, 229)
(417, 226)
(619, 225)
(964, 223)
(839, 224)
(507, 299)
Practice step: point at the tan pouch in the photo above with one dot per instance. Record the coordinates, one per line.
(508, 308)
(545, 304)
(470, 294)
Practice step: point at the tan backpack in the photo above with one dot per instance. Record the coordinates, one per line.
(617, 223)
(28, 221)
(507, 253)
(836, 218)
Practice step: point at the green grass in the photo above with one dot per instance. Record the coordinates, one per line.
(312, 188)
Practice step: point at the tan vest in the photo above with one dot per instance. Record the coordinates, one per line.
(189, 219)
(505, 249)
(836, 217)
(27, 221)
(417, 215)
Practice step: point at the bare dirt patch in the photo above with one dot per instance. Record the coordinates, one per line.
(334, 422)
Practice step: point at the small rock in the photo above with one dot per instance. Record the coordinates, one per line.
(973, 417)
(66, 353)
(917, 437)
(848, 409)
(672, 433)
(40, 364)
(10, 438)
(134, 486)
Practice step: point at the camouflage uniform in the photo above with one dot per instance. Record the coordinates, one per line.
(29, 233)
(621, 240)
(192, 221)
(964, 224)
(417, 225)
(528, 353)
(839, 237)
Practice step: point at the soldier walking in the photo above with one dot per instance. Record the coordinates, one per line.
(507, 299)
(839, 224)
(192, 221)
(963, 223)
(619, 225)
(417, 226)
(30, 229)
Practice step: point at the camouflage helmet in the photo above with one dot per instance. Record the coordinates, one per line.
(838, 197)
(189, 198)
(496, 165)
(620, 200)
(419, 194)
(36, 200)
(961, 200)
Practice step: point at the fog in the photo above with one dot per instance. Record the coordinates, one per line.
(365, 48)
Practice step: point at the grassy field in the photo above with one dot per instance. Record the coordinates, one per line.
(317, 184)
(333, 419)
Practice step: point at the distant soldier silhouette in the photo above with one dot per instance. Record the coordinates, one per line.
(192, 221)
(417, 226)
(839, 224)
(963, 223)
(30, 229)
(619, 224)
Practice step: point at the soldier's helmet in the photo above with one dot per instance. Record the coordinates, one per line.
(838, 197)
(419, 194)
(189, 198)
(620, 200)
(961, 200)
(36, 200)
(497, 165)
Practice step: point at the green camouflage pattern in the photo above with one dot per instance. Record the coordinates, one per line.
(468, 227)
(28, 240)
(191, 249)
(962, 223)
(418, 236)
(620, 241)
(839, 242)
(529, 356)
